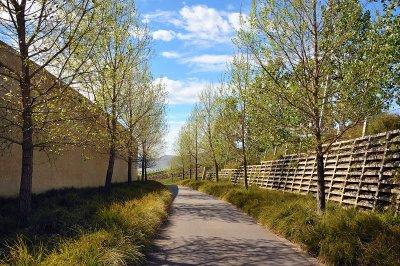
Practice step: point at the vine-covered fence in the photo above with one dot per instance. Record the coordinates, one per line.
(364, 172)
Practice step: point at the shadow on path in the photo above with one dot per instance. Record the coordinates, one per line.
(220, 251)
(202, 230)
(174, 190)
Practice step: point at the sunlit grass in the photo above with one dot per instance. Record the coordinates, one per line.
(342, 236)
(170, 180)
(84, 227)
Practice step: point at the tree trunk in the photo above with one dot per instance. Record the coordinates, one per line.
(246, 184)
(216, 170)
(196, 172)
(183, 172)
(319, 156)
(145, 169)
(321, 180)
(110, 170)
(213, 154)
(190, 173)
(130, 167)
(111, 160)
(203, 175)
(142, 176)
(25, 191)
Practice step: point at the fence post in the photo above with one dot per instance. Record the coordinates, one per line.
(203, 176)
(365, 127)
(299, 150)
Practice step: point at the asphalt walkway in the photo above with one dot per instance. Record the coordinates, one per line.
(202, 230)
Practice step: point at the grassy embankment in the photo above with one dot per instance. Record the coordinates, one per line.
(84, 227)
(170, 180)
(342, 236)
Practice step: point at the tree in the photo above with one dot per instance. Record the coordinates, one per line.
(186, 146)
(152, 127)
(180, 150)
(47, 35)
(390, 27)
(325, 60)
(239, 83)
(209, 114)
(117, 52)
(193, 125)
(139, 97)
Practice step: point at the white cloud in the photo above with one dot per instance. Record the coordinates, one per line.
(204, 22)
(164, 35)
(183, 91)
(208, 63)
(162, 16)
(199, 24)
(235, 20)
(170, 54)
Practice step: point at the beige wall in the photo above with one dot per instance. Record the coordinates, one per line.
(71, 169)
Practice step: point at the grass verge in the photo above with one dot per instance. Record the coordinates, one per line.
(169, 180)
(342, 236)
(84, 227)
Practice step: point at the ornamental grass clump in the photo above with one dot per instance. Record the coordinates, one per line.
(86, 227)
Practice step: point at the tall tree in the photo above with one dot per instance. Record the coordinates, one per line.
(180, 149)
(239, 84)
(152, 127)
(116, 53)
(193, 125)
(138, 104)
(47, 35)
(152, 130)
(186, 144)
(208, 101)
(322, 58)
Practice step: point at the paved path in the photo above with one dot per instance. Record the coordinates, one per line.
(203, 230)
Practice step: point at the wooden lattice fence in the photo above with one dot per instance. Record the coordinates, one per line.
(364, 172)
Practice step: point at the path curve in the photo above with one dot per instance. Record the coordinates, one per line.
(202, 230)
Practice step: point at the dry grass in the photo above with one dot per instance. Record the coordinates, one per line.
(84, 227)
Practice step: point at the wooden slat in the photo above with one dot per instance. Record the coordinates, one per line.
(357, 172)
(347, 172)
(380, 176)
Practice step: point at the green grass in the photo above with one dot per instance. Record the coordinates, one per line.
(170, 180)
(160, 172)
(342, 236)
(85, 227)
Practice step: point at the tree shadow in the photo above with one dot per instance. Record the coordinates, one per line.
(174, 190)
(66, 213)
(206, 212)
(227, 248)
(221, 251)
(202, 206)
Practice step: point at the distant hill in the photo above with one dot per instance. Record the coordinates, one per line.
(162, 163)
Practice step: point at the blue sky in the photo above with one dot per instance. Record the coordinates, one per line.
(192, 47)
